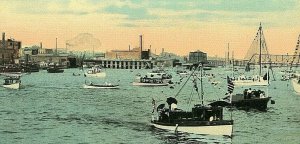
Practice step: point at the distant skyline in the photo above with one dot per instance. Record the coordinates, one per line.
(178, 26)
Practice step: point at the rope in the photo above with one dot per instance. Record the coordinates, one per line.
(186, 82)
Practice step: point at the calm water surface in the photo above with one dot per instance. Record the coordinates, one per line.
(54, 108)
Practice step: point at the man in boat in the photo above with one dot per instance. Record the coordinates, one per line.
(153, 104)
(249, 92)
(173, 107)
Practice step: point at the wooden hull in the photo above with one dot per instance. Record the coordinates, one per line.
(296, 85)
(256, 103)
(214, 129)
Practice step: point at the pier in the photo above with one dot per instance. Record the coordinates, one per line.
(123, 64)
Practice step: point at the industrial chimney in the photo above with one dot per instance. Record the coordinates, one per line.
(41, 45)
(3, 40)
(56, 46)
(141, 45)
(141, 42)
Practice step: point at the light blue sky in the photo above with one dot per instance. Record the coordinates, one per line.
(241, 11)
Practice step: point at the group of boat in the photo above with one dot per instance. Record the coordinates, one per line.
(208, 119)
(202, 118)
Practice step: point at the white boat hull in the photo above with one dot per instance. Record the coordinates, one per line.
(13, 86)
(149, 84)
(97, 87)
(250, 83)
(102, 74)
(209, 130)
(296, 85)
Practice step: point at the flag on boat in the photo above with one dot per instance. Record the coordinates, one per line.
(230, 85)
(266, 76)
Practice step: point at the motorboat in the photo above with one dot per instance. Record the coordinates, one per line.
(100, 86)
(12, 83)
(95, 71)
(55, 69)
(149, 81)
(201, 119)
(250, 99)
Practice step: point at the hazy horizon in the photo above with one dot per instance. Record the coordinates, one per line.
(177, 26)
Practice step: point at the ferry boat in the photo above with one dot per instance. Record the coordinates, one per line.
(12, 83)
(152, 79)
(146, 81)
(95, 71)
(201, 119)
(160, 75)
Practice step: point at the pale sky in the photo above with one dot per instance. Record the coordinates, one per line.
(178, 26)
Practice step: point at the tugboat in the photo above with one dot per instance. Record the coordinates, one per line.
(12, 83)
(255, 99)
(202, 119)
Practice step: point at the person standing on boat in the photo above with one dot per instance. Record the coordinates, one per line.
(249, 92)
(153, 104)
(173, 107)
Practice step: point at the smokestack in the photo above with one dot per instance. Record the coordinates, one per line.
(3, 40)
(56, 47)
(41, 45)
(141, 45)
(141, 42)
(129, 48)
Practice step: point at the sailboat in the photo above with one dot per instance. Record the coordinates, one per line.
(201, 119)
(228, 66)
(296, 77)
(255, 80)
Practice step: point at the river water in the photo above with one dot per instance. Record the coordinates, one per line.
(54, 108)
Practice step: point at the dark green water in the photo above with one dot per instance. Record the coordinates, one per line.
(54, 108)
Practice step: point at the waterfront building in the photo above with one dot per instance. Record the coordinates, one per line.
(197, 57)
(136, 53)
(9, 50)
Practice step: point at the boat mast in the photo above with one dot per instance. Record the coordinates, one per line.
(232, 64)
(228, 61)
(201, 83)
(260, 28)
(296, 53)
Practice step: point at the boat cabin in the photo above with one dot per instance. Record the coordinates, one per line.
(11, 80)
(151, 80)
(198, 113)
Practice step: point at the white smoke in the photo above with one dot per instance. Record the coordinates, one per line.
(84, 42)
